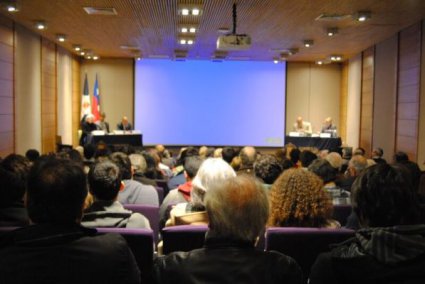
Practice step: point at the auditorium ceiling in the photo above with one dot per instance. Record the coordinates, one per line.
(152, 28)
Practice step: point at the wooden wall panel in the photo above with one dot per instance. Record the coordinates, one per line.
(7, 124)
(343, 102)
(366, 117)
(408, 91)
(76, 100)
(48, 96)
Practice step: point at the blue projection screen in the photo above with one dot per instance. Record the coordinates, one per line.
(207, 103)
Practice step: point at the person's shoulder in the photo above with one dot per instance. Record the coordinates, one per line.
(137, 220)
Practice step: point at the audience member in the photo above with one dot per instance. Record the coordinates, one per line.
(248, 155)
(165, 170)
(181, 194)
(106, 211)
(402, 158)
(212, 171)
(391, 246)
(324, 170)
(165, 156)
(56, 249)
(178, 177)
(359, 151)
(267, 168)
(134, 192)
(377, 154)
(13, 177)
(306, 157)
(139, 166)
(294, 156)
(124, 124)
(228, 153)
(356, 166)
(297, 199)
(154, 166)
(32, 155)
(238, 210)
(102, 124)
(335, 160)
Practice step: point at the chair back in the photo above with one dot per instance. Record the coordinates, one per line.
(141, 244)
(304, 244)
(160, 192)
(183, 238)
(341, 213)
(150, 212)
(163, 183)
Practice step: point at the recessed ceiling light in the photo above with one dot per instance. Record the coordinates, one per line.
(40, 25)
(82, 53)
(308, 42)
(182, 41)
(185, 12)
(76, 47)
(88, 56)
(336, 57)
(192, 30)
(275, 61)
(95, 57)
(184, 30)
(190, 42)
(319, 62)
(12, 8)
(362, 16)
(138, 58)
(332, 31)
(61, 37)
(195, 12)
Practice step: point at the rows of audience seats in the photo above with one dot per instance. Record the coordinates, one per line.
(169, 208)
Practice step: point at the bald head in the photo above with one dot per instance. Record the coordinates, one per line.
(248, 155)
(357, 164)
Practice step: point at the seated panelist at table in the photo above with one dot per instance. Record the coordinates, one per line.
(102, 124)
(329, 127)
(302, 126)
(124, 124)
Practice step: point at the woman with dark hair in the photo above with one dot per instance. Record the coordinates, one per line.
(390, 247)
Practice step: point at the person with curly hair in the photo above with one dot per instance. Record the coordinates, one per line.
(297, 199)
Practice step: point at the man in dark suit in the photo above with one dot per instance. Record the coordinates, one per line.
(102, 124)
(124, 124)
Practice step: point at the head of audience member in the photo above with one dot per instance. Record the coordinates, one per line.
(152, 169)
(335, 160)
(238, 209)
(267, 168)
(122, 161)
(299, 122)
(297, 199)
(401, 157)
(294, 155)
(186, 152)
(211, 172)
(138, 163)
(286, 164)
(102, 150)
(280, 154)
(377, 153)
(191, 167)
(104, 181)
(56, 190)
(203, 151)
(124, 121)
(89, 151)
(216, 153)
(356, 165)
(228, 153)
(382, 196)
(413, 169)
(160, 149)
(306, 158)
(32, 155)
(73, 155)
(324, 170)
(14, 171)
(102, 116)
(247, 155)
(359, 151)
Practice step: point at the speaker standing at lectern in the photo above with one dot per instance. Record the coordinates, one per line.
(124, 124)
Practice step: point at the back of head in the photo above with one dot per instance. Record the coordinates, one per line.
(335, 160)
(56, 191)
(267, 168)
(248, 155)
(89, 151)
(228, 153)
(192, 165)
(324, 170)
(14, 171)
(307, 157)
(400, 157)
(294, 155)
(358, 162)
(213, 171)
(187, 152)
(32, 155)
(124, 164)
(359, 151)
(297, 199)
(237, 209)
(160, 149)
(377, 152)
(138, 163)
(104, 181)
(382, 196)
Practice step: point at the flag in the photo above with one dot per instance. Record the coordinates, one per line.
(95, 106)
(85, 102)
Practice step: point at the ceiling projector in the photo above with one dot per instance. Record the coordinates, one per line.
(233, 42)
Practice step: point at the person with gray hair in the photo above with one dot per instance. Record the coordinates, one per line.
(139, 166)
(356, 165)
(213, 171)
(247, 156)
(238, 209)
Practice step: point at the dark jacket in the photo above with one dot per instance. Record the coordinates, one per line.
(226, 261)
(14, 216)
(377, 255)
(65, 254)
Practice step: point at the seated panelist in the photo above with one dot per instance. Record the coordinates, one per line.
(124, 124)
(302, 126)
(329, 127)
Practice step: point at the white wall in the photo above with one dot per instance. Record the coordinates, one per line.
(27, 90)
(353, 101)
